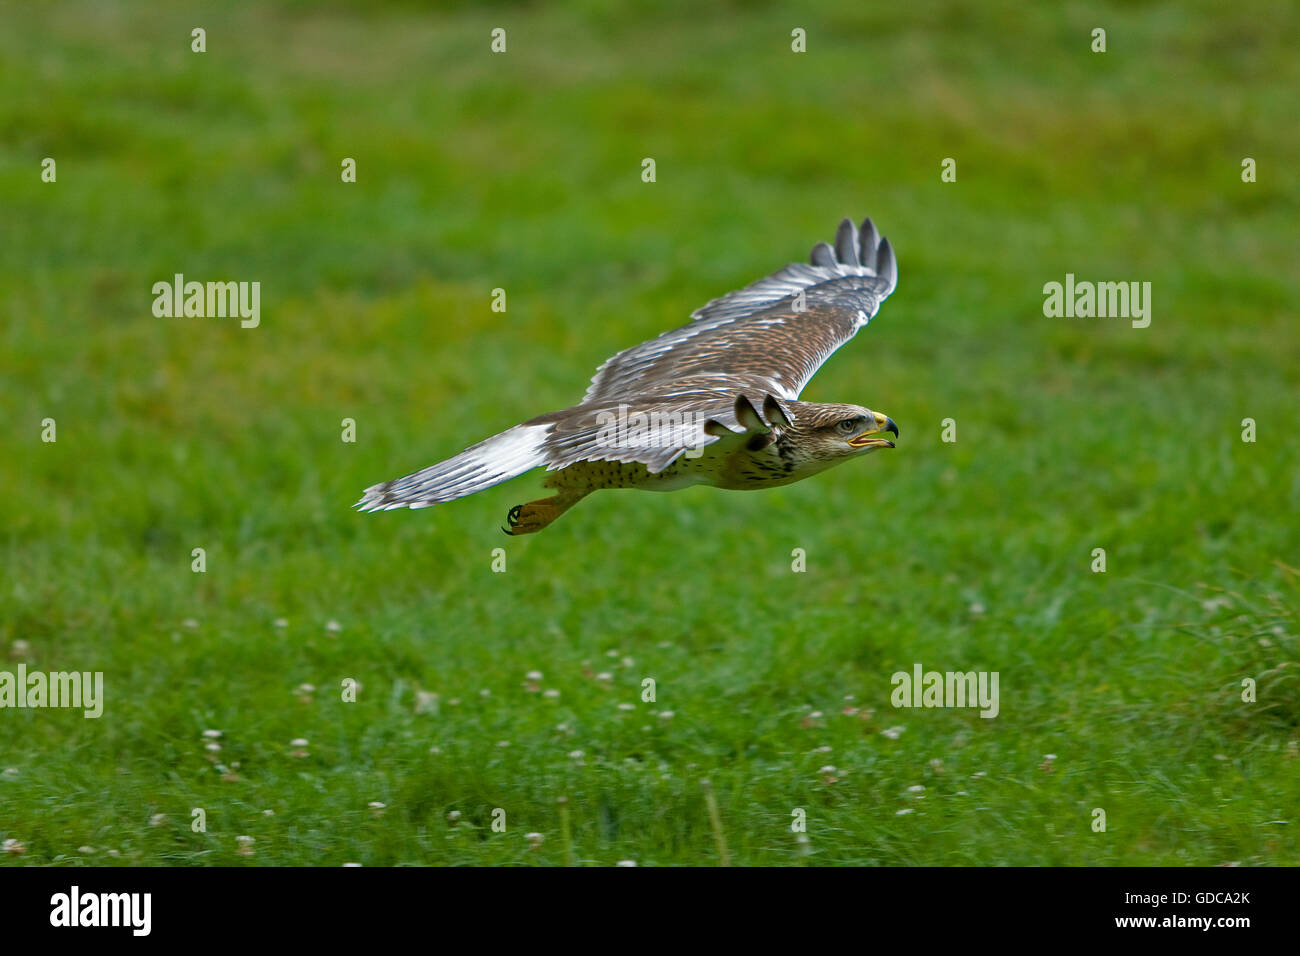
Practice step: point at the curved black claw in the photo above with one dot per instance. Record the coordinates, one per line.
(512, 518)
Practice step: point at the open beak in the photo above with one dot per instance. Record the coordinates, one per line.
(864, 440)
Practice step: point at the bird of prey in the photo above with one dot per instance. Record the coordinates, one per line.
(684, 408)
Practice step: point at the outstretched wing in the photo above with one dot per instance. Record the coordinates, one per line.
(654, 432)
(773, 335)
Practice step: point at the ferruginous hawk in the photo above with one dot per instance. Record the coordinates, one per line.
(714, 402)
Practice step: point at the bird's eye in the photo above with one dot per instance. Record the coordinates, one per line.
(847, 426)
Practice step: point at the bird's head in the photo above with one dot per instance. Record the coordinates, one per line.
(830, 432)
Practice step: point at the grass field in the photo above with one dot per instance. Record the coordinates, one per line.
(522, 171)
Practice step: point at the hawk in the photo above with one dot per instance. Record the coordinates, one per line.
(715, 402)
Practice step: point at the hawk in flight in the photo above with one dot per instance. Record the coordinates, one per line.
(715, 402)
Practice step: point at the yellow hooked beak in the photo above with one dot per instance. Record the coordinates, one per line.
(883, 424)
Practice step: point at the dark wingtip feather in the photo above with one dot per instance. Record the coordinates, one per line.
(747, 415)
(846, 242)
(886, 266)
(869, 240)
(774, 413)
(823, 255)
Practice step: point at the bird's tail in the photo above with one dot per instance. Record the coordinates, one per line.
(490, 462)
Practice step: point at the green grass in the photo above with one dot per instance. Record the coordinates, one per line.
(522, 171)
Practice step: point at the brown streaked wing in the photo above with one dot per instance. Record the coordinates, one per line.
(754, 336)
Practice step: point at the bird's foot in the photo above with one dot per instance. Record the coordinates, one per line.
(529, 518)
(535, 515)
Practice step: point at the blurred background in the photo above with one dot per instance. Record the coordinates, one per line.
(523, 171)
